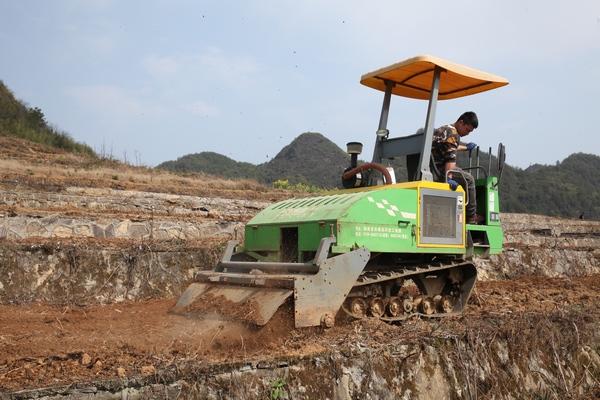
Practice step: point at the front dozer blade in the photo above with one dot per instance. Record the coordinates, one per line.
(188, 296)
(255, 305)
(252, 292)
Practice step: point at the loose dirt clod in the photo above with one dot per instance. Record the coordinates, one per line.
(85, 359)
(148, 370)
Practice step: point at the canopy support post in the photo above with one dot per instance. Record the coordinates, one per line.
(424, 172)
(383, 119)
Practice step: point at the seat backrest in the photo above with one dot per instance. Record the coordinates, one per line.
(409, 146)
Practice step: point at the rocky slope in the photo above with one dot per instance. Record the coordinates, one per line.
(112, 238)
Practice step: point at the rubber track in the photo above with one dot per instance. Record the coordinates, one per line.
(375, 277)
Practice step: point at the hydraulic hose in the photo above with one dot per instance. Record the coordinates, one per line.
(350, 173)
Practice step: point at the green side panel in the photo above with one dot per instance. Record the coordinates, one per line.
(267, 238)
(488, 200)
(262, 238)
(496, 238)
(382, 221)
(314, 217)
(310, 209)
(310, 234)
(489, 206)
(385, 221)
(493, 234)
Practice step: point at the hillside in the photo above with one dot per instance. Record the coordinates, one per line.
(19, 120)
(569, 188)
(213, 164)
(28, 165)
(310, 158)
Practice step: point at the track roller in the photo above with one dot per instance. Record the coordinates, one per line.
(447, 304)
(427, 306)
(376, 307)
(358, 307)
(394, 307)
(407, 304)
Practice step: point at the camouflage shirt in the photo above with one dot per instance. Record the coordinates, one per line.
(444, 145)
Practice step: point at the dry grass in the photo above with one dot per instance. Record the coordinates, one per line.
(30, 164)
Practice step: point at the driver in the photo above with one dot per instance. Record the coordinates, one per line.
(446, 142)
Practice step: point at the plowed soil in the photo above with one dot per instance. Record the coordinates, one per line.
(43, 346)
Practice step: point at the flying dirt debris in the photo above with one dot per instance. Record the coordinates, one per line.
(378, 248)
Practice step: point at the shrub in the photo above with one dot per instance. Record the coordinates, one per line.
(296, 187)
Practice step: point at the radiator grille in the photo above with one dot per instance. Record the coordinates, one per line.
(439, 216)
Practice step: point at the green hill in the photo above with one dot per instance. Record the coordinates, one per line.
(569, 188)
(214, 164)
(310, 158)
(20, 120)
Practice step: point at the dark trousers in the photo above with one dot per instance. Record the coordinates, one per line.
(466, 180)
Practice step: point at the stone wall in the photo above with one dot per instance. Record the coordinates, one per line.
(109, 213)
(104, 245)
(55, 226)
(62, 273)
(540, 245)
(91, 200)
(90, 245)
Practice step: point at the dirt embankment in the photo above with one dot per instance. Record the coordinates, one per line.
(539, 333)
(547, 246)
(93, 256)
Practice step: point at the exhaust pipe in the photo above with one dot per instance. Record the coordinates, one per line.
(354, 149)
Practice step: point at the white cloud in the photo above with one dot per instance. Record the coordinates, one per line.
(161, 66)
(201, 108)
(212, 65)
(231, 69)
(107, 99)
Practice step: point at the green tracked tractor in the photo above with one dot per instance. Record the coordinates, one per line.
(378, 248)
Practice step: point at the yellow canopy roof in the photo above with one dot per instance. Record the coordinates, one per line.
(413, 78)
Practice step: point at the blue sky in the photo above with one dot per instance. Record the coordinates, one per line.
(155, 80)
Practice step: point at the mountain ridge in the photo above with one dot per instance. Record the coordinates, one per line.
(569, 188)
(295, 163)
